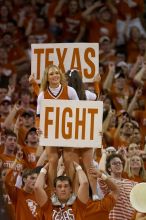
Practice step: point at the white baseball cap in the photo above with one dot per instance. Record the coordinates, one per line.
(122, 63)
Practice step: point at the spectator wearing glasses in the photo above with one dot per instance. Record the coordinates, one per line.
(114, 167)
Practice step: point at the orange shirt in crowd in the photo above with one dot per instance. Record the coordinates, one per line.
(16, 53)
(7, 162)
(100, 209)
(109, 137)
(22, 131)
(124, 9)
(76, 211)
(51, 10)
(120, 142)
(95, 28)
(36, 87)
(30, 155)
(118, 97)
(135, 178)
(106, 57)
(140, 116)
(1, 149)
(25, 203)
(71, 26)
(10, 207)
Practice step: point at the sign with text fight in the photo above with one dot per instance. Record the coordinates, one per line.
(81, 56)
(71, 123)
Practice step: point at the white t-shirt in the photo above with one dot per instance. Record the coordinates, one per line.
(90, 95)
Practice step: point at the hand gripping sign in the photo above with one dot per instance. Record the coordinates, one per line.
(71, 123)
(81, 56)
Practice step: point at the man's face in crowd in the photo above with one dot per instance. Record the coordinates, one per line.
(30, 180)
(128, 128)
(136, 136)
(10, 143)
(63, 190)
(133, 149)
(5, 107)
(32, 137)
(116, 165)
(28, 121)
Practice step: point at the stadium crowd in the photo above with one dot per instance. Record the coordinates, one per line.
(45, 183)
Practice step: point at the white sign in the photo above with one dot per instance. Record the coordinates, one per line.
(81, 56)
(71, 123)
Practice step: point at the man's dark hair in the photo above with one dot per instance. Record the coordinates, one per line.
(74, 80)
(28, 172)
(111, 157)
(9, 132)
(62, 178)
(37, 169)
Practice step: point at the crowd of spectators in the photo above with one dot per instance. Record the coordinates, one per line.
(119, 28)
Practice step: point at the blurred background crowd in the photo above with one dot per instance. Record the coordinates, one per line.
(119, 26)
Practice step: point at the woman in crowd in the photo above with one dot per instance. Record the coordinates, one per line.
(134, 168)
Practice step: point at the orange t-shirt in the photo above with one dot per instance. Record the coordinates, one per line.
(96, 28)
(137, 179)
(9, 205)
(16, 53)
(28, 207)
(1, 149)
(22, 135)
(118, 97)
(30, 155)
(109, 137)
(75, 211)
(106, 57)
(140, 116)
(36, 87)
(119, 142)
(100, 209)
(124, 9)
(7, 162)
(71, 25)
(25, 203)
(51, 9)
